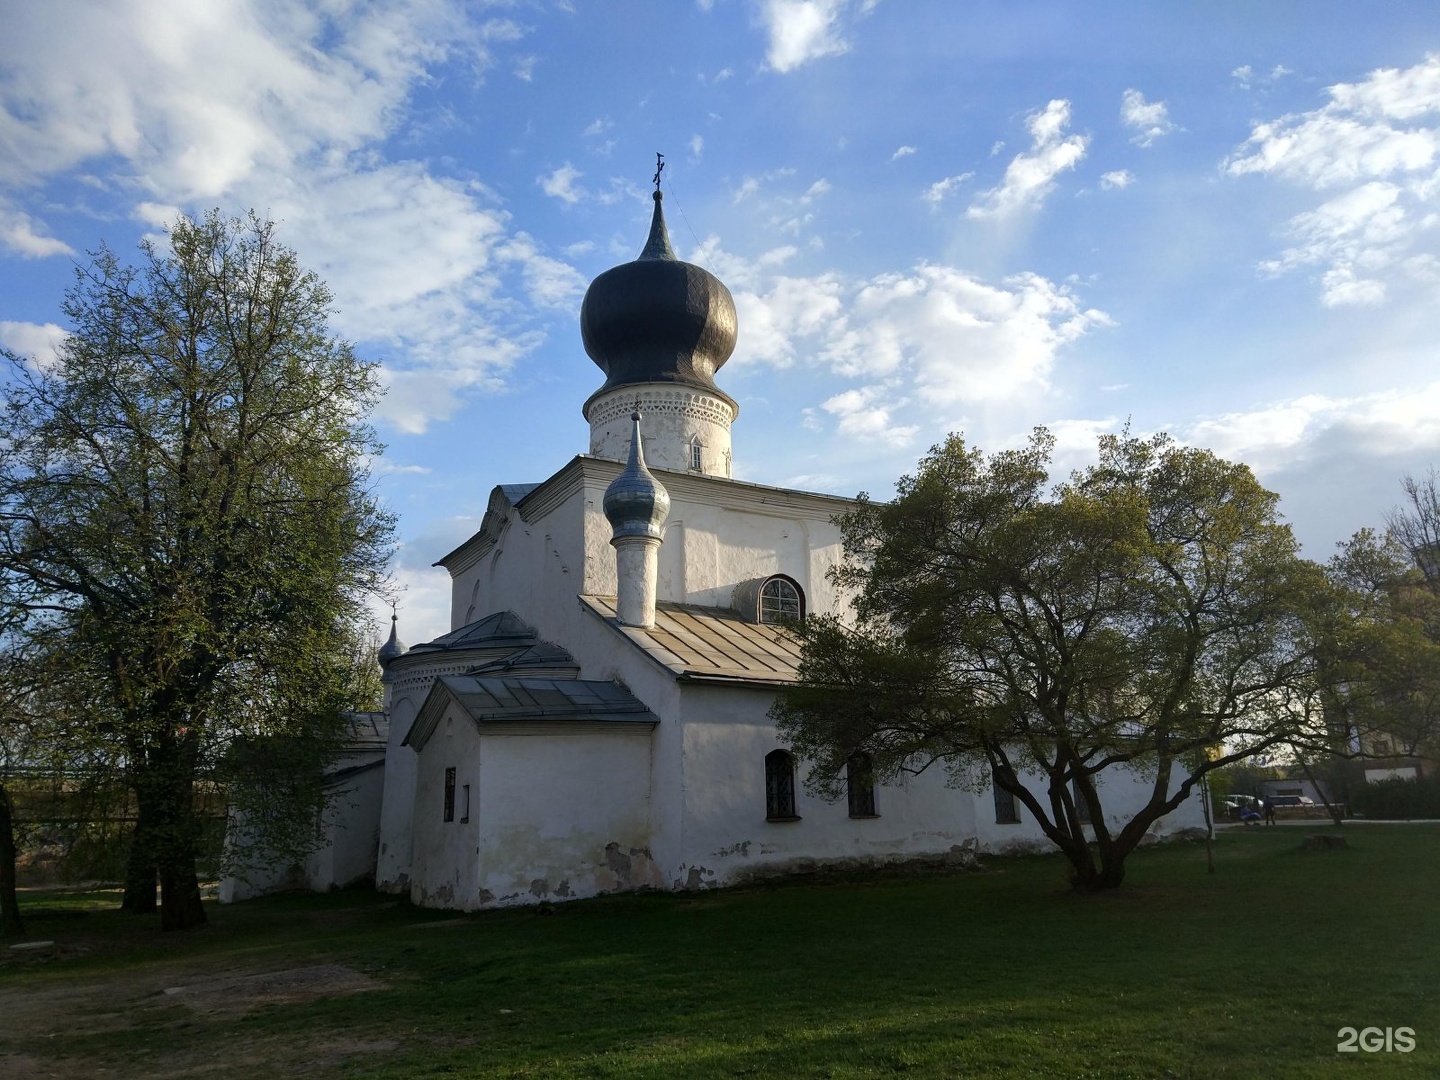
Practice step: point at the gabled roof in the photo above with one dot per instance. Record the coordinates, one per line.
(708, 644)
(510, 700)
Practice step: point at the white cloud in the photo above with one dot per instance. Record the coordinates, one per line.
(863, 413)
(904, 151)
(697, 146)
(1242, 75)
(803, 30)
(1376, 143)
(22, 234)
(1285, 434)
(937, 192)
(282, 107)
(1150, 119)
(1120, 178)
(597, 127)
(1031, 176)
(35, 342)
(946, 336)
(560, 184)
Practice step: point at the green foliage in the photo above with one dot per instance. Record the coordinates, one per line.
(1382, 664)
(1150, 613)
(1398, 799)
(185, 518)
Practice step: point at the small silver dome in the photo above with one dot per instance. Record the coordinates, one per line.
(392, 648)
(636, 504)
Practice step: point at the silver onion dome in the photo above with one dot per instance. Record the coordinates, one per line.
(392, 648)
(636, 504)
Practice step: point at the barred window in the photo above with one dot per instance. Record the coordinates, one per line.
(780, 786)
(1007, 810)
(695, 459)
(860, 785)
(450, 794)
(780, 600)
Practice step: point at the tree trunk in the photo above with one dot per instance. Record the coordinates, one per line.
(178, 844)
(180, 904)
(140, 874)
(10, 924)
(1330, 809)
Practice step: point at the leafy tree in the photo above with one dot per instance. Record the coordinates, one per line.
(1382, 664)
(1149, 614)
(184, 504)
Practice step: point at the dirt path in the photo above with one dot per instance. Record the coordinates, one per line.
(176, 1019)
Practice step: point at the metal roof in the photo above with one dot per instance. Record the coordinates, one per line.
(508, 700)
(503, 629)
(709, 644)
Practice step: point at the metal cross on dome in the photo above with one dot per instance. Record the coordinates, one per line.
(659, 168)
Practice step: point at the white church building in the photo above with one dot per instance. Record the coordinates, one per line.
(597, 718)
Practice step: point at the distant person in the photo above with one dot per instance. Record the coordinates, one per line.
(1269, 805)
(1249, 815)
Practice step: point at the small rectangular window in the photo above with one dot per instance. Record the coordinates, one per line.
(1007, 811)
(695, 456)
(465, 805)
(450, 794)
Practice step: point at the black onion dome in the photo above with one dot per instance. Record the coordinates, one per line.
(658, 319)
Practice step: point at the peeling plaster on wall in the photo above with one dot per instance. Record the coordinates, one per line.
(695, 878)
(631, 868)
(742, 849)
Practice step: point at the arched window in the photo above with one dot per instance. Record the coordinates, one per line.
(860, 785)
(780, 601)
(697, 459)
(780, 786)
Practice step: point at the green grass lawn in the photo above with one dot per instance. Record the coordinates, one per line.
(1247, 973)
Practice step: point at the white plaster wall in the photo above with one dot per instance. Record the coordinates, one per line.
(346, 855)
(537, 568)
(1122, 792)
(564, 815)
(446, 855)
(672, 418)
(726, 735)
(534, 569)
(352, 834)
(392, 861)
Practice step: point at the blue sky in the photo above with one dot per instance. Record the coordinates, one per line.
(1220, 220)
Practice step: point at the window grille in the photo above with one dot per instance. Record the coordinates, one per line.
(779, 601)
(860, 785)
(450, 794)
(695, 461)
(1007, 810)
(780, 786)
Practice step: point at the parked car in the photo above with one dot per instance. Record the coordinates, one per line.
(1234, 804)
(1280, 801)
